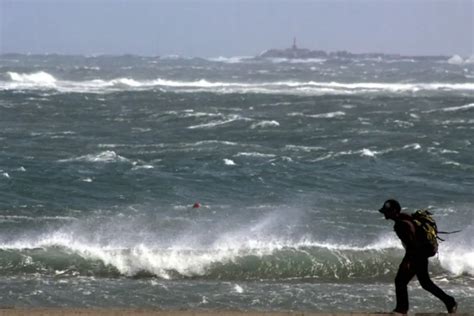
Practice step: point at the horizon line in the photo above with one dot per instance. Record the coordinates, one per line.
(330, 54)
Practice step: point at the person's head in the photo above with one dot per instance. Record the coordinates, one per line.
(390, 209)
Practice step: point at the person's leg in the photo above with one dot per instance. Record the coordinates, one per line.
(405, 273)
(426, 283)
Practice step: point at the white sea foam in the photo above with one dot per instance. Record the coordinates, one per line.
(231, 60)
(451, 162)
(457, 253)
(238, 289)
(127, 82)
(368, 153)
(328, 115)
(104, 157)
(321, 115)
(304, 148)
(189, 260)
(143, 167)
(220, 142)
(395, 87)
(191, 113)
(458, 108)
(36, 218)
(453, 108)
(264, 124)
(229, 162)
(182, 258)
(456, 60)
(38, 78)
(44, 80)
(412, 146)
(458, 262)
(230, 119)
(255, 155)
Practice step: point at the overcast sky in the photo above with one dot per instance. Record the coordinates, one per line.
(211, 28)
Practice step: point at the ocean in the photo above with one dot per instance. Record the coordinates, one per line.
(103, 157)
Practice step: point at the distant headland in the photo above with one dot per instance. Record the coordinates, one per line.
(294, 52)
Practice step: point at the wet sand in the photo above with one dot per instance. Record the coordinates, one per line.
(152, 312)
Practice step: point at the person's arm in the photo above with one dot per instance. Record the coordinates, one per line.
(406, 232)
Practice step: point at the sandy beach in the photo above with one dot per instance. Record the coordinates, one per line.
(152, 312)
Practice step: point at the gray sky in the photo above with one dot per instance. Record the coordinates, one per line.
(211, 28)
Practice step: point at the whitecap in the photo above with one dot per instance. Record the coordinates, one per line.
(223, 142)
(255, 154)
(191, 113)
(230, 60)
(368, 153)
(127, 82)
(39, 218)
(327, 115)
(41, 80)
(304, 148)
(104, 157)
(229, 162)
(264, 124)
(403, 124)
(449, 151)
(456, 60)
(183, 258)
(412, 146)
(457, 258)
(238, 289)
(143, 167)
(232, 118)
(452, 163)
(458, 108)
(38, 78)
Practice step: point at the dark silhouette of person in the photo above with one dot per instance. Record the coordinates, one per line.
(415, 261)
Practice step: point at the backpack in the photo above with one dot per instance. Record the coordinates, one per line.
(427, 232)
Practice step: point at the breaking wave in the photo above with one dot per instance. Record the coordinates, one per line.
(264, 124)
(458, 108)
(107, 156)
(43, 80)
(59, 254)
(322, 115)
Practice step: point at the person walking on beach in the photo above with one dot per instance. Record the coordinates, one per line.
(415, 261)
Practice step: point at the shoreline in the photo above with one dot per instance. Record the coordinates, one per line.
(13, 311)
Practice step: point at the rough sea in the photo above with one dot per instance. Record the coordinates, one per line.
(103, 157)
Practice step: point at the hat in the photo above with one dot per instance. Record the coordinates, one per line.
(390, 205)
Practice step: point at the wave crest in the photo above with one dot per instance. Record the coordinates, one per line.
(103, 157)
(273, 261)
(44, 80)
(37, 79)
(229, 257)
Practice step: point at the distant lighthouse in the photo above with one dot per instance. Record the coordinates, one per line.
(294, 43)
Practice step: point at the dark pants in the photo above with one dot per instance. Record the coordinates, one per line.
(411, 266)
